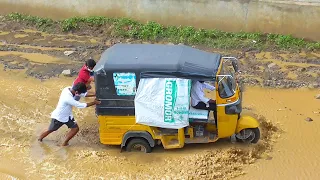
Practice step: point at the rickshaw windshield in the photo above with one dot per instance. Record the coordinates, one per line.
(226, 82)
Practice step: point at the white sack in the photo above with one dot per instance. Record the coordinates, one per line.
(163, 102)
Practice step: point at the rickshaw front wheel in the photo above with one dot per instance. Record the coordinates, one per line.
(138, 145)
(250, 135)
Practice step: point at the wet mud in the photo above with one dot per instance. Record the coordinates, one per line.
(31, 66)
(280, 69)
(22, 121)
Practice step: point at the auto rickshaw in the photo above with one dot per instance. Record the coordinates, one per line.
(132, 62)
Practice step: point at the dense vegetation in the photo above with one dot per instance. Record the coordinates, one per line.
(152, 31)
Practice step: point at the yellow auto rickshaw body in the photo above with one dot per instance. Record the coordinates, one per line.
(117, 124)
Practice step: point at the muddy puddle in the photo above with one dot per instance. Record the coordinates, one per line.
(26, 104)
(287, 150)
(36, 57)
(38, 47)
(296, 154)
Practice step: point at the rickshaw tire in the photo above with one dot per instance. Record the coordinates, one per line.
(139, 141)
(256, 131)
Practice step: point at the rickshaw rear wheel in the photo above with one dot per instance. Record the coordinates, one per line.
(250, 135)
(138, 145)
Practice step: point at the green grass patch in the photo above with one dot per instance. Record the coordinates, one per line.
(152, 31)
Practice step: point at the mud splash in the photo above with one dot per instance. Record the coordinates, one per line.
(229, 162)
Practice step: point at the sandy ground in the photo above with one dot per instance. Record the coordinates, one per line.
(32, 62)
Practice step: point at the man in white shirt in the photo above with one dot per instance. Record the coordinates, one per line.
(63, 112)
(199, 100)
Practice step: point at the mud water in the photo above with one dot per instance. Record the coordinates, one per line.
(31, 66)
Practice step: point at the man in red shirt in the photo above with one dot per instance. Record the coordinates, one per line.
(85, 77)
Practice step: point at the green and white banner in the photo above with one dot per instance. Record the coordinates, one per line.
(163, 102)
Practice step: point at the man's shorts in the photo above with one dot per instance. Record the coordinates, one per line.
(55, 124)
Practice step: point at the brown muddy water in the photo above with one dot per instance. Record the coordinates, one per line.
(288, 148)
(26, 104)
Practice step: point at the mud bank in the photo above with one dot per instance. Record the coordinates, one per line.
(281, 17)
(42, 55)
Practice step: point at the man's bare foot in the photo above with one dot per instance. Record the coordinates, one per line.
(40, 140)
(65, 144)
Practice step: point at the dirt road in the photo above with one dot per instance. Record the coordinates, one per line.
(32, 62)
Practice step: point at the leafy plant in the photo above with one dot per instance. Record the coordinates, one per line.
(128, 28)
(151, 31)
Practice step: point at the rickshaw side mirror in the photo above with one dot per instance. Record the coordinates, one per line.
(235, 66)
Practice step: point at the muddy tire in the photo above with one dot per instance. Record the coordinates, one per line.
(249, 135)
(138, 145)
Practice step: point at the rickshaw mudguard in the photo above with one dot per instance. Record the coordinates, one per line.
(246, 122)
(138, 134)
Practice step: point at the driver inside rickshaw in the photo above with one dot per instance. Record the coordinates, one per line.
(199, 100)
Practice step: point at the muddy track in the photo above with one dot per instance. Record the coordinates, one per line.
(41, 55)
(21, 121)
(281, 69)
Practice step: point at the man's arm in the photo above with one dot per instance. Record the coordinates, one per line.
(95, 102)
(80, 105)
(91, 79)
(90, 94)
(208, 86)
(200, 94)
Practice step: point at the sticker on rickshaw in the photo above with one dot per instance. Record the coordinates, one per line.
(125, 83)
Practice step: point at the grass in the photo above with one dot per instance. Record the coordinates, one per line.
(152, 31)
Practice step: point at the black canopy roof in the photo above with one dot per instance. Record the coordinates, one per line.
(165, 59)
